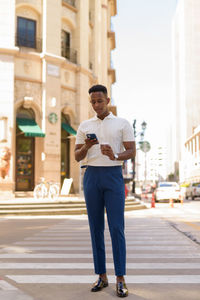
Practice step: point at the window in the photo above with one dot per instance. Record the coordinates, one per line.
(25, 113)
(70, 2)
(26, 32)
(66, 50)
(66, 44)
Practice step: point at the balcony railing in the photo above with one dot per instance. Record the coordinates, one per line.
(69, 54)
(70, 2)
(36, 44)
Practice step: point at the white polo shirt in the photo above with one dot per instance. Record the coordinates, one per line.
(112, 130)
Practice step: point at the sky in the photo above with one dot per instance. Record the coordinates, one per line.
(143, 63)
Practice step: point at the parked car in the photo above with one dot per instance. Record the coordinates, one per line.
(167, 190)
(193, 190)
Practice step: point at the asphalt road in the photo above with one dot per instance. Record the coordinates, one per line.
(51, 258)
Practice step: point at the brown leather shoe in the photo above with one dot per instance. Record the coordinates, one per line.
(99, 285)
(121, 289)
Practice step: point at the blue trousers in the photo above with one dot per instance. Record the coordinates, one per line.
(104, 189)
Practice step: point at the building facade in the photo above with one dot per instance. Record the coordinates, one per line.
(51, 52)
(186, 50)
(190, 165)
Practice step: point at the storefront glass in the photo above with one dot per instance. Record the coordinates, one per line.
(24, 164)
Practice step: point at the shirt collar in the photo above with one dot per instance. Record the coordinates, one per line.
(110, 116)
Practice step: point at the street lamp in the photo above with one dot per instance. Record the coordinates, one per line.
(141, 133)
(144, 125)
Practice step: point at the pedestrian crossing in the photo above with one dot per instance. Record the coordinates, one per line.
(62, 254)
(69, 279)
(110, 266)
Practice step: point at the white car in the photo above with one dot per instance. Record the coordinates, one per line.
(167, 190)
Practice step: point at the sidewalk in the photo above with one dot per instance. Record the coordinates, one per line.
(60, 198)
(63, 205)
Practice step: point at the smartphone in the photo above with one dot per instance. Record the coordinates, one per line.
(91, 136)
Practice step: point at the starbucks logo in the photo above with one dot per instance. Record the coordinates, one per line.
(53, 118)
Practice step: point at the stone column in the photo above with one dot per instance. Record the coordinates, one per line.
(51, 80)
(82, 46)
(104, 42)
(82, 76)
(7, 143)
(96, 39)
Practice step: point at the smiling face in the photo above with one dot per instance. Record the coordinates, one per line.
(99, 103)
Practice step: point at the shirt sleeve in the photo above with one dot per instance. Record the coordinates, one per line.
(128, 133)
(80, 136)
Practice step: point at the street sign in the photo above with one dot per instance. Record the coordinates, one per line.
(145, 146)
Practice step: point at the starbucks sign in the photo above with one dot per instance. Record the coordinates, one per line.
(53, 118)
(145, 146)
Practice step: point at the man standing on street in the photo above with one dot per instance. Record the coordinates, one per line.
(106, 141)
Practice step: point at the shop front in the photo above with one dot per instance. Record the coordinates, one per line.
(25, 162)
(66, 132)
(26, 131)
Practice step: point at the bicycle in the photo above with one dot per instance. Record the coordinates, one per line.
(46, 189)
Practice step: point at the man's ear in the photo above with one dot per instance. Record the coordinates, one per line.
(108, 100)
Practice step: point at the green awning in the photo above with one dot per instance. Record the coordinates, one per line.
(29, 127)
(69, 129)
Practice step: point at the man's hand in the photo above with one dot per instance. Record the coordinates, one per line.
(107, 150)
(89, 143)
(82, 149)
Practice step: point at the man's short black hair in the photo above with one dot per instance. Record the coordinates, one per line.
(98, 88)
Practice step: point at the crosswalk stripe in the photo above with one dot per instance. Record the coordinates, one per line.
(88, 266)
(139, 242)
(83, 238)
(8, 291)
(75, 231)
(54, 241)
(140, 279)
(127, 227)
(136, 247)
(109, 255)
(5, 286)
(86, 232)
(170, 250)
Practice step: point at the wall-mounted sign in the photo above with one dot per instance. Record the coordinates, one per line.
(53, 118)
(53, 70)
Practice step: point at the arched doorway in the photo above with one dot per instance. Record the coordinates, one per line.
(65, 148)
(26, 131)
(25, 149)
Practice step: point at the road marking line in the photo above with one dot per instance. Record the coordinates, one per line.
(75, 243)
(126, 231)
(8, 291)
(139, 242)
(195, 226)
(136, 247)
(82, 238)
(87, 231)
(5, 286)
(88, 266)
(140, 279)
(109, 255)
